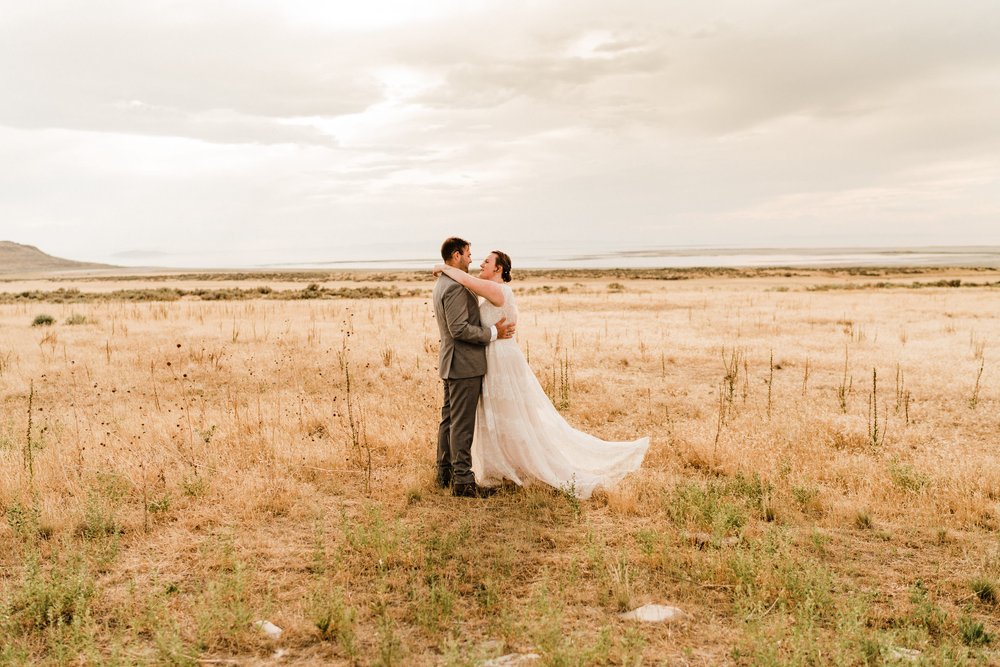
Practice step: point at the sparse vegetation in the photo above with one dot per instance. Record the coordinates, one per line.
(985, 590)
(312, 291)
(974, 401)
(199, 457)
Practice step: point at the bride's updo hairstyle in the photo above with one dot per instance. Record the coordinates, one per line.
(503, 261)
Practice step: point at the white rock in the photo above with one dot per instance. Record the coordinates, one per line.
(654, 613)
(513, 660)
(908, 654)
(269, 629)
(492, 646)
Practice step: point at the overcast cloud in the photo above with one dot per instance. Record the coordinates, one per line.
(264, 132)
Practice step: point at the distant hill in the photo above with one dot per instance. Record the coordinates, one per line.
(17, 258)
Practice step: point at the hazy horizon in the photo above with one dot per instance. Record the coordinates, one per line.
(405, 257)
(256, 133)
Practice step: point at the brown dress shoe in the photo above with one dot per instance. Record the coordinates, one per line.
(471, 490)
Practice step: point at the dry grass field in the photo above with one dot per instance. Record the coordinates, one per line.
(823, 484)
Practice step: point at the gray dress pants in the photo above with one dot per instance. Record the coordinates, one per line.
(458, 425)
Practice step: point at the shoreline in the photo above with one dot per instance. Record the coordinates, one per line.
(325, 285)
(699, 258)
(127, 274)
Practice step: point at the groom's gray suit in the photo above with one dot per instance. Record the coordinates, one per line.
(462, 364)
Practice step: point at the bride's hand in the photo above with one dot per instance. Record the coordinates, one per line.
(438, 270)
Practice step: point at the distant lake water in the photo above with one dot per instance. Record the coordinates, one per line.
(978, 256)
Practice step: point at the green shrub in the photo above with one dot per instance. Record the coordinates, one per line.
(973, 632)
(906, 478)
(333, 618)
(926, 613)
(223, 614)
(985, 590)
(720, 506)
(43, 320)
(54, 596)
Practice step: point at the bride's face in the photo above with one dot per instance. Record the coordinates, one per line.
(488, 269)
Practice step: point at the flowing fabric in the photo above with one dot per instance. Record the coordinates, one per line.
(520, 436)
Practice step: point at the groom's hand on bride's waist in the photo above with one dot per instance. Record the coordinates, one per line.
(504, 330)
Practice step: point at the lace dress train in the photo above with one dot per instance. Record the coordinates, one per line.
(521, 436)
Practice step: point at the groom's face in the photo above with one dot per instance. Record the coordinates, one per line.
(466, 258)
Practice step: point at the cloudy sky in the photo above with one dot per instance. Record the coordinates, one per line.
(245, 132)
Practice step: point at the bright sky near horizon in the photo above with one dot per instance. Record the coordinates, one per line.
(235, 132)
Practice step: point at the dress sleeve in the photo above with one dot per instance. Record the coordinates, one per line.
(509, 305)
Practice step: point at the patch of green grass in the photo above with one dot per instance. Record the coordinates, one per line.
(23, 520)
(621, 583)
(334, 619)
(906, 478)
(885, 284)
(376, 539)
(440, 548)
(819, 541)
(434, 606)
(222, 612)
(313, 291)
(488, 595)
(568, 493)
(53, 595)
(631, 646)
(99, 518)
(807, 498)
(863, 520)
(985, 590)
(546, 620)
(43, 320)
(973, 632)
(156, 622)
(610, 574)
(648, 540)
(706, 507)
(842, 634)
(455, 653)
(160, 505)
(14, 654)
(434, 601)
(720, 506)
(559, 647)
(926, 614)
(194, 486)
(390, 648)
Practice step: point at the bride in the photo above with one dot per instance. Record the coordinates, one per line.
(519, 434)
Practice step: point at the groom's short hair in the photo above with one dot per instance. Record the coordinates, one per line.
(453, 245)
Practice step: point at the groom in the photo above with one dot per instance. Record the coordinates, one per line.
(462, 364)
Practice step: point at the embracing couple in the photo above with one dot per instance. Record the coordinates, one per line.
(496, 420)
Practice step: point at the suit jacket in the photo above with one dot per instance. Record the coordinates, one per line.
(463, 338)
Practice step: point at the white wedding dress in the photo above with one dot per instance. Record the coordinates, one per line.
(521, 436)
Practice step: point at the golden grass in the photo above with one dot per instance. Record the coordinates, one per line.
(196, 466)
